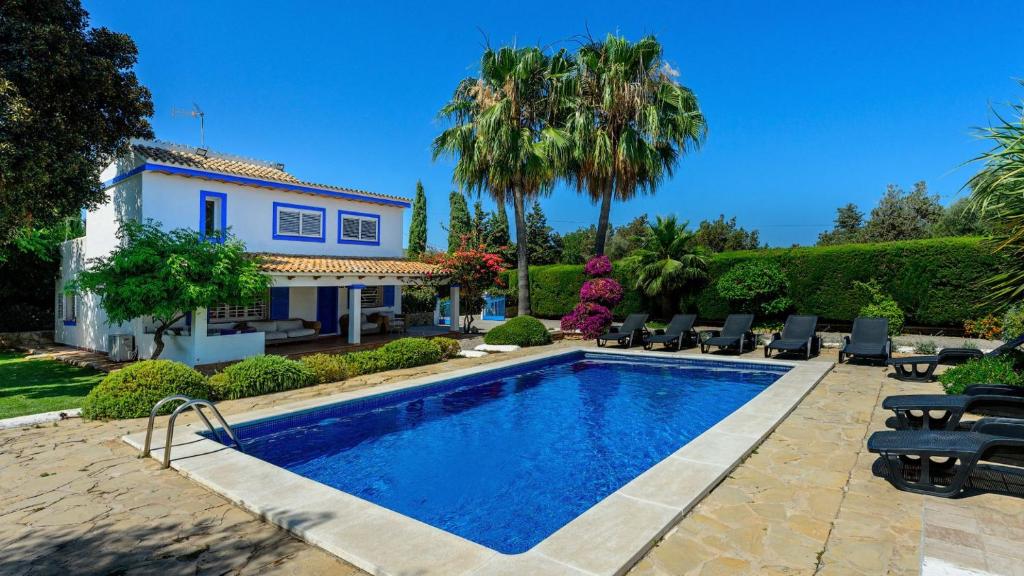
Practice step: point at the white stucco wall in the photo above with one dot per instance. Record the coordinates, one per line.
(302, 303)
(174, 202)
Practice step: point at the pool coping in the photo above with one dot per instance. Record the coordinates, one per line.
(606, 539)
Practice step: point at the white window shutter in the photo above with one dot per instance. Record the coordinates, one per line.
(350, 228)
(368, 229)
(311, 224)
(288, 222)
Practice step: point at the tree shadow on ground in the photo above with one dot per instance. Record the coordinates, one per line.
(113, 548)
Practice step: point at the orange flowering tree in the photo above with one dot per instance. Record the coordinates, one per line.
(474, 269)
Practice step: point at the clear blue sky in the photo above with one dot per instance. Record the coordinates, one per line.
(810, 104)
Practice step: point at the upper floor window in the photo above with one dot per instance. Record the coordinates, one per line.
(294, 222)
(358, 228)
(213, 215)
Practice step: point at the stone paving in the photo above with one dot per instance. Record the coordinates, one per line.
(77, 500)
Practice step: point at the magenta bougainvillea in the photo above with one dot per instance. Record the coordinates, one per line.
(590, 319)
(592, 316)
(603, 291)
(598, 266)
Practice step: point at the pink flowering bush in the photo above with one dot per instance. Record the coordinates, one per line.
(590, 319)
(598, 266)
(592, 316)
(604, 291)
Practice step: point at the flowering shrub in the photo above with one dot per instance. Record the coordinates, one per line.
(988, 327)
(598, 266)
(475, 270)
(604, 291)
(589, 318)
(592, 316)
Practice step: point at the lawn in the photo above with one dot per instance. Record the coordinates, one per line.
(33, 386)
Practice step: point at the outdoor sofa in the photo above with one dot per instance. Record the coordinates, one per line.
(283, 331)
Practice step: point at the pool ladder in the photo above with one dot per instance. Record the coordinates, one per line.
(195, 404)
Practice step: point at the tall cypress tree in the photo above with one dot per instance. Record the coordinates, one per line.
(418, 225)
(499, 234)
(480, 223)
(459, 224)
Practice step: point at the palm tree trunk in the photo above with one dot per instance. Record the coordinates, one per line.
(602, 221)
(523, 266)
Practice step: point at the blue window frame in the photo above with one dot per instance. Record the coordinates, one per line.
(299, 223)
(358, 228)
(213, 215)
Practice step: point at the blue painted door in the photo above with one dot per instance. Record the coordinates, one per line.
(494, 308)
(327, 309)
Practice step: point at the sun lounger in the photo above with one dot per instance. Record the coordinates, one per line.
(679, 330)
(922, 368)
(629, 333)
(946, 411)
(799, 334)
(869, 338)
(734, 334)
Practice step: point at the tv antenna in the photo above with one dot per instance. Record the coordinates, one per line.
(195, 112)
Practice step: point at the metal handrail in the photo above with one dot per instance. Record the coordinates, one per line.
(196, 405)
(152, 419)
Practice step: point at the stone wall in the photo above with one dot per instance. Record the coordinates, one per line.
(34, 339)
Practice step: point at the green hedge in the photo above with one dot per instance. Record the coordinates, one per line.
(261, 375)
(936, 282)
(519, 331)
(132, 391)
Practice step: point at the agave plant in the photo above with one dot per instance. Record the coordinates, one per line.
(997, 192)
(668, 262)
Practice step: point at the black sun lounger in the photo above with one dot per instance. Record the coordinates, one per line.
(734, 334)
(869, 339)
(946, 411)
(922, 368)
(798, 335)
(908, 454)
(679, 330)
(631, 332)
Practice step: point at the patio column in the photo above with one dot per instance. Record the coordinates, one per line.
(355, 311)
(453, 313)
(200, 323)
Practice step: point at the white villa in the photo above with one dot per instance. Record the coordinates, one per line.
(334, 254)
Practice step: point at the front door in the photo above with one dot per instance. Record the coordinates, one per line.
(327, 309)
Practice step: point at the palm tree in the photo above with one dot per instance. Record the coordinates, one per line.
(668, 261)
(502, 134)
(630, 124)
(997, 192)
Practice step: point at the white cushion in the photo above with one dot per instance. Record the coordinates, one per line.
(275, 335)
(289, 325)
(299, 332)
(270, 326)
(369, 326)
(362, 318)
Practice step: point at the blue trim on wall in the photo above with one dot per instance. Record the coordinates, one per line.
(342, 213)
(389, 296)
(243, 181)
(279, 303)
(323, 223)
(70, 323)
(203, 195)
(137, 170)
(359, 286)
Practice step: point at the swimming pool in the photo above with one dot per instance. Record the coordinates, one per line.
(507, 457)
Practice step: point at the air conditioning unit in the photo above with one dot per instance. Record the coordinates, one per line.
(122, 347)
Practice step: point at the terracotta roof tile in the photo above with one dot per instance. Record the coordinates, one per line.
(291, 263)
(188, 157)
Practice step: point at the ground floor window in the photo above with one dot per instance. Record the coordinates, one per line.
(372, 297)
(233, 313)
(67, 308)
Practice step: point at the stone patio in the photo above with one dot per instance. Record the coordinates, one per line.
(78, 500)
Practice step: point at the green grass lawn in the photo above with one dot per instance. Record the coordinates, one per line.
(34, 386)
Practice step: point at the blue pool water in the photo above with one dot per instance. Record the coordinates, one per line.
(505, 458)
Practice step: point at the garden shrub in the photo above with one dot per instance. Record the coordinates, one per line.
(934, 281)
(881, 305)
(757, 287)
(984, 370)
(132, 391)
(928, 347)
(449, 347)
(988, 327)
(519, 331)
(590, 318)
(264, 375)
(1013, 322)
(401, 353)
(416, 299)
(326, 368)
